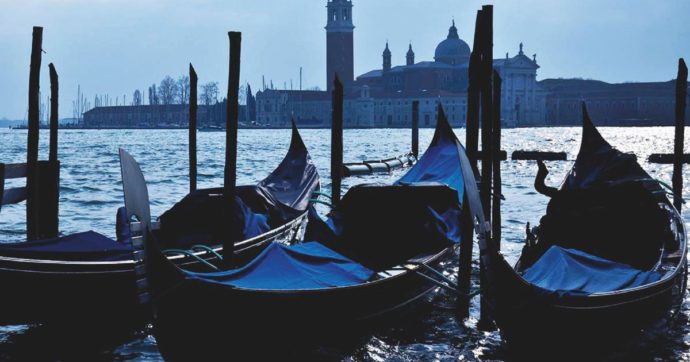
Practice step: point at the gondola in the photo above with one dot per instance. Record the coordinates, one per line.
(375, 255)
(605, 268)
(88, 276)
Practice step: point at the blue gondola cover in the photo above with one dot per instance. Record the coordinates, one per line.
(88, 245)
(440, 163)
(574, 272)
(303, 266)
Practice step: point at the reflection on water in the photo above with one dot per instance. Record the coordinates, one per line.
(91, 192)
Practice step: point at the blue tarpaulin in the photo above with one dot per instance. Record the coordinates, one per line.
(88, 245)
(571, 272)
(440, 163)
(303, 266)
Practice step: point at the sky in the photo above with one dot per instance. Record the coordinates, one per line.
(116, 46)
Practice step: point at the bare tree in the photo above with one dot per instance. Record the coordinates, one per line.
(209, 93)
(153, 96)
(167, 90)
(183, 89)
(136, 98)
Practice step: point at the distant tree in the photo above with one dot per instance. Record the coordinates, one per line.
(251, 104)
(136, 98)
(315, 88)
(167, 91)
(241, 95)
(153, 96)
(209, 93)
(182, 96)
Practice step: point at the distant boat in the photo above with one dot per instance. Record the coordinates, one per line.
(211, 129)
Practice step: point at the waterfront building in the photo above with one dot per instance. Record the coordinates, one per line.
(156, 116)
(628, 104)
(383, 97)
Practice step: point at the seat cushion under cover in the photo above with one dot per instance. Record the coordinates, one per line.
(574, 272)
(303, 266)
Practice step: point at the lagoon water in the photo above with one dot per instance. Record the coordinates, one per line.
(91, 192)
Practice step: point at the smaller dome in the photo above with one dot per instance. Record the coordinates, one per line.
(452, 50)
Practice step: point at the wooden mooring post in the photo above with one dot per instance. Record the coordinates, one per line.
(681, 99)
(471, 144)
(230, 173)
(415, 129)
(193, 107)
(336, 141)
(486, 98)
(48, 182)
(496, 149)
(32, 197)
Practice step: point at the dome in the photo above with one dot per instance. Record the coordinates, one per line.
(452, 50)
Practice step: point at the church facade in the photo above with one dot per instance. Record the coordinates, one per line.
(383, 97)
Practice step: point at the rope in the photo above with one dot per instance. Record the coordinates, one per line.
(319, 193)
(192, 255)
(663, 184)
(208, 249)
(317, 201)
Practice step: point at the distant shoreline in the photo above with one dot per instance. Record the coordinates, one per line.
(605, 124)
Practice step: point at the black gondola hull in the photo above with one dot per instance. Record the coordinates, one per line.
(246, 321)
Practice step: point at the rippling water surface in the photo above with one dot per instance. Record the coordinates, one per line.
(91, 192)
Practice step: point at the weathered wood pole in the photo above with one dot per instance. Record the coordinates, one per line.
(193, 80)
(496, 149)
(32, 199)
(48, 183)
(471, 143)
(54, 89)
(486, 98)
(681, 98)
(337, 141)
(415, 129)
(230, 172)
(472, 125)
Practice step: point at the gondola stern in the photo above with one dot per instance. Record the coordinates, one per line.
(591, 138)
(443, 131)
(296, 142)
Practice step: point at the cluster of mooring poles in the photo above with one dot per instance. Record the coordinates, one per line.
(42, 177)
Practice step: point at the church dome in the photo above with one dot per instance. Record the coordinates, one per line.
(452, 50)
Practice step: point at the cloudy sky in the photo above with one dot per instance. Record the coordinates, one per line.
(117, 46)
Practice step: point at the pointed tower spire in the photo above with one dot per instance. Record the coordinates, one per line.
(386, 59)
(410, 56)
(521, 52)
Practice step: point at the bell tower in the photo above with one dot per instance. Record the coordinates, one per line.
(339, 43)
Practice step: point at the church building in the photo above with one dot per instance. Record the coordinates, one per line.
(383, 97)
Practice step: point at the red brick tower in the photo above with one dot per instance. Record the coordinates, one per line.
(339, 43)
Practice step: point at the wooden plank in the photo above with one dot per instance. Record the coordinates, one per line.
(13, 196)
(668, 158)
(15, 170)
(539, 155)
(681, 98)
